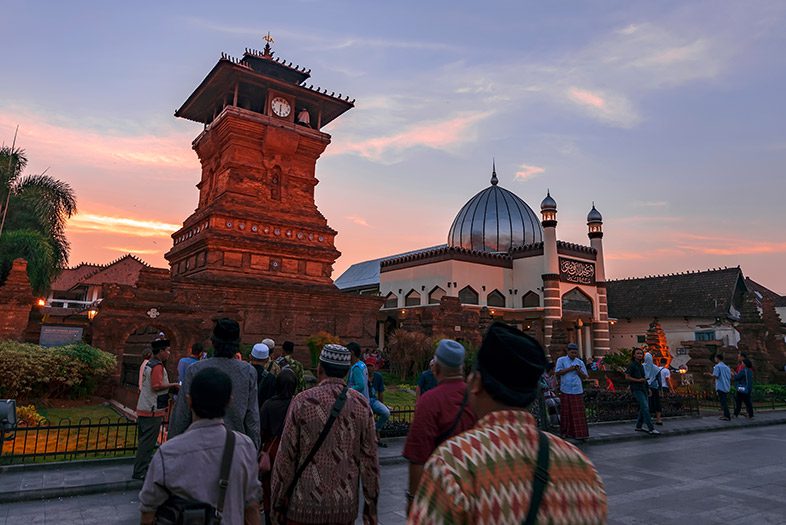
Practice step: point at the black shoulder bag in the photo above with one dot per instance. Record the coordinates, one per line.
(182, 511)
(282, 507)
(540, 480)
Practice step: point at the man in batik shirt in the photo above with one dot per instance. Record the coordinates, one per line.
(328, 491)
(486, 475)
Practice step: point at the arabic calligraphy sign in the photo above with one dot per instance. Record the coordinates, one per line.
(573, 271)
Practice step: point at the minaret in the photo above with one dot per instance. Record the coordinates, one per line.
(552, 303)
(600, 327)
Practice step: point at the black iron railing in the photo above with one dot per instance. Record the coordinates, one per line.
(762, 400)
(603, 406)
(67, 441)
(401, 418)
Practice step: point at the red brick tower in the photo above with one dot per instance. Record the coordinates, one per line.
(256, 215)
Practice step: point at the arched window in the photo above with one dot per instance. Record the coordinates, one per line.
(436, 295)
(391, 300)
(412, 298)
(468, 295)
(530, 300)
(576, 301)
(495, 298)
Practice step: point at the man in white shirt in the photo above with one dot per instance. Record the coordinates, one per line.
(722, 374)
(665, 376)
(573, 418)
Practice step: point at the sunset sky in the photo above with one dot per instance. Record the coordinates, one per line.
(670, 116)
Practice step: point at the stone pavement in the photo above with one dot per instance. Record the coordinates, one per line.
(35, 482)
(57, 487)
(737, 476)
(602, 433)
(122, 508)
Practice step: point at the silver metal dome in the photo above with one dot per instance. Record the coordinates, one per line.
(548, 203)
(495, 220)
(594, 215)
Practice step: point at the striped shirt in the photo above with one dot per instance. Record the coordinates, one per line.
(484, 476)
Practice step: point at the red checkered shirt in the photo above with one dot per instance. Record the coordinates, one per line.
(484, 476)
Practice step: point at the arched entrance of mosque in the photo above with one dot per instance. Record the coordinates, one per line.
(577, 313)
(136, 342)
(385, 330)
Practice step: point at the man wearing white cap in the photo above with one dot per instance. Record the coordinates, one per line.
(271, 345)
(266, 380)
(328, 449)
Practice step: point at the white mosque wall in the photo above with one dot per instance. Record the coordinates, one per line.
(527, 277)
(629, 334)
(423, 278)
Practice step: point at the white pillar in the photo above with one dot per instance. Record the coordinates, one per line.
(587, 330)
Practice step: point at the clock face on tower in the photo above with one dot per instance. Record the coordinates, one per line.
(280, 107)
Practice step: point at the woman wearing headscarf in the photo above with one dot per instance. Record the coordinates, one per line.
(744, 382)
(652, 373)
(271, 420)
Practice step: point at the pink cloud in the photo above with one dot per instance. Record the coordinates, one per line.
(135, 251)
(610, 107)
(129, 226)
(587, 98)
(526, 171)
(436, 135)
(61, 144)
(360, 221)
(617, 255)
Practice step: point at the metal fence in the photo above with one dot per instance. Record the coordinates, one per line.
(762, 400)
(105, 437)
(67, 441)
(401, 418)
(603, 406)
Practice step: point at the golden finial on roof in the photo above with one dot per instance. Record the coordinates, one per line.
(268, 40)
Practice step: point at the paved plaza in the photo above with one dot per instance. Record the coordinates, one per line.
(736, 476)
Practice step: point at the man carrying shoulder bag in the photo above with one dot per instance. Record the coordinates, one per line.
(208, 474)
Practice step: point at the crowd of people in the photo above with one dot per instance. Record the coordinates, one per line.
(562, 386)
(248, 441)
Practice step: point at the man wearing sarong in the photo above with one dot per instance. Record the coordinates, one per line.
(571, 370)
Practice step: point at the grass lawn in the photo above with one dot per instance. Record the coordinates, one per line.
(397, 391)
(42, 444)
(398, 397)
(91, 412)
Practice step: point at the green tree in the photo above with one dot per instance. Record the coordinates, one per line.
(36, 248)
(33, 204)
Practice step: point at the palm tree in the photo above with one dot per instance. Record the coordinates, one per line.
(36, 249)
(33, 204)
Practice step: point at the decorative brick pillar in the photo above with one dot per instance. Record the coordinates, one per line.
(601, 341)
(16, 302)
(552, 305)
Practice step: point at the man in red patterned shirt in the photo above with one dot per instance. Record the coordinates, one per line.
(486, 475)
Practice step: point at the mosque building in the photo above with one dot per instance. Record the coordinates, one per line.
(500, 262)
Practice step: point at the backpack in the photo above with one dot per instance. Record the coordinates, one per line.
(266, 385)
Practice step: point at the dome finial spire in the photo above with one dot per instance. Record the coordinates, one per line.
(494, 180)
